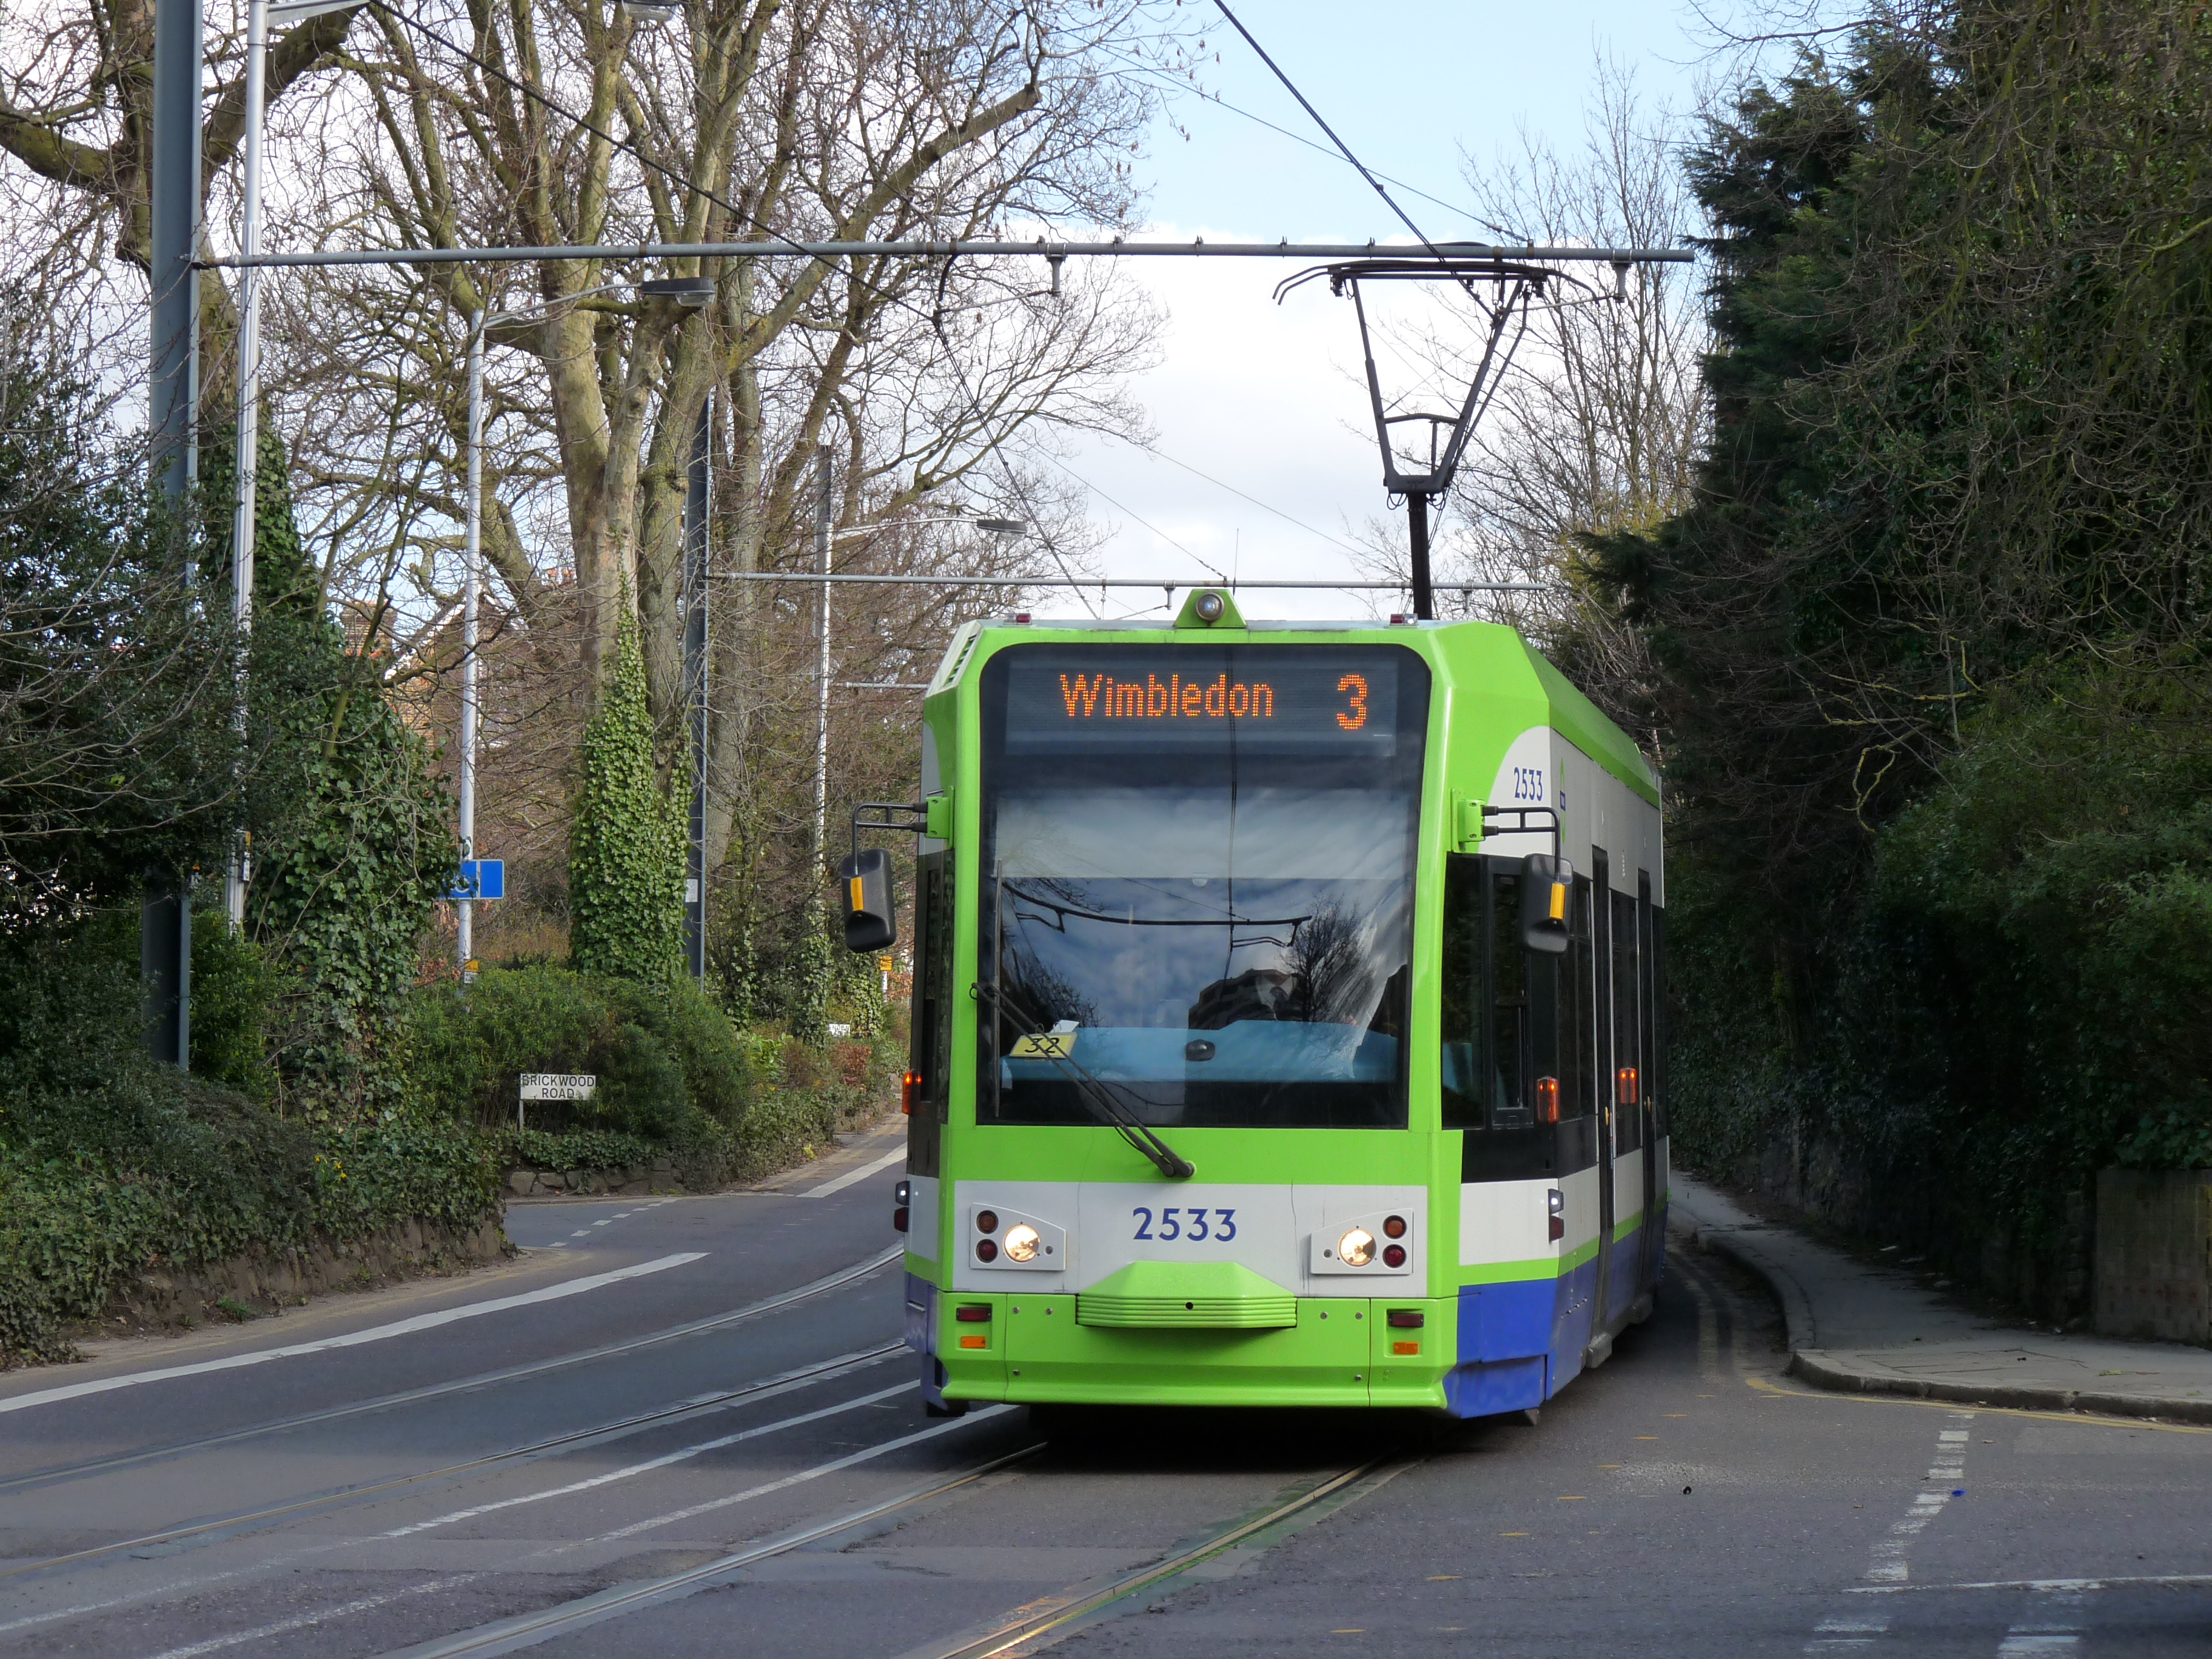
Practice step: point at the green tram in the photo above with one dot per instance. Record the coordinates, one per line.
(1286, 1017)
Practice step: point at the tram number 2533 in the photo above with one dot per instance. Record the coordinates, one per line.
(1528, 783)
(1171, 1224)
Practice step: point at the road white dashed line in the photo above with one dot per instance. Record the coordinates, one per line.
(682, 1453)
(1887, 1570)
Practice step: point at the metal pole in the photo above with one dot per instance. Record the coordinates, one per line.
(822, 515)
(696, 505)
(165, 937)
(1417, 519)
(777, 247)
(470, 557)
(249, 409)
(844, 579)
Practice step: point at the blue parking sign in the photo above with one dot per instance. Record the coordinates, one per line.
(480, 878)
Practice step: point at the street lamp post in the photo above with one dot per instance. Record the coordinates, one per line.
(471, 589)
(249, 406)
(259, 16)
(471, 551)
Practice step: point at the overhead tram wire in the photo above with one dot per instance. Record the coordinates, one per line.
(1219, 102)
(1161, 455)
(1418, 501)
(1306, 104)
(830, 265)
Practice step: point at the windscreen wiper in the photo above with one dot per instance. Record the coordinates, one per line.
(1095, 1095)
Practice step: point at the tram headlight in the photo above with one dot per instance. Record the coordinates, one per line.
(1022, 1243)
(1356, 1249)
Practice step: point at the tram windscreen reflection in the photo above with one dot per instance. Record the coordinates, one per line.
(1215, 912)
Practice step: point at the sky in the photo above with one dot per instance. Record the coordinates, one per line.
(1261, 398)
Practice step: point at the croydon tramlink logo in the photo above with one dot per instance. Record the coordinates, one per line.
(1103, 698)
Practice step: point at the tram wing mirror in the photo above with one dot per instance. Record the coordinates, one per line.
(1547, 884)
(869, 923)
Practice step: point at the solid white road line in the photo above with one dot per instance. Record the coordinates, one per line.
(682, 1453)
(841, 1183)
(814, 1474)
(790, 1381)
(353, 1339)
(370, 1603)
(308, 1620)
(508, 1635)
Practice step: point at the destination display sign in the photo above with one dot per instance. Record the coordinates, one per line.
(1297, 699)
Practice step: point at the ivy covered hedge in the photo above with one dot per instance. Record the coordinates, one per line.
(111, 1165)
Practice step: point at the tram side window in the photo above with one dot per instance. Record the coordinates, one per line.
(1507, 1072)
(1463, 991)
(1578, 1057)
(1627, 1026)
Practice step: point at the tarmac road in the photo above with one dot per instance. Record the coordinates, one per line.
(731, 1478)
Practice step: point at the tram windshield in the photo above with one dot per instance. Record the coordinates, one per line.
(1198, 882)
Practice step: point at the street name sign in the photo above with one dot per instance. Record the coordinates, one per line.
(558, 1086)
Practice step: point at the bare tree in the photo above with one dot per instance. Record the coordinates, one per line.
(564, 121)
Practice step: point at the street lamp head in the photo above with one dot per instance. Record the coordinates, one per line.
(1003, 526)
(689, 291)
(649, 11)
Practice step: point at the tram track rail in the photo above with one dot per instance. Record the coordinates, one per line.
(325, 1503)
(1047, 1625)
(32, 1479)
(1033, 1623)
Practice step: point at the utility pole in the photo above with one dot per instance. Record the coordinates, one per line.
(465, 909)
(822, 512)
(249, 413)
(165, 919)
(697, 503)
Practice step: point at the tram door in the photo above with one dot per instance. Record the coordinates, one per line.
(1593, 966)
(1648, 991)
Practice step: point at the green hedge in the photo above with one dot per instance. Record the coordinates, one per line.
(662, 1054)
(2020, 996)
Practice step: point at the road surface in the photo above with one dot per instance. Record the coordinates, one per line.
(683, 1426)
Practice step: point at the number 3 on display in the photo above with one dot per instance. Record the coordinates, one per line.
(1355, 716)
(1222, 1230)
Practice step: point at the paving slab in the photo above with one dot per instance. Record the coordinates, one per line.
(1878, 1330)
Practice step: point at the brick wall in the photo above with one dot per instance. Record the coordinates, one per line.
(2155, 1253)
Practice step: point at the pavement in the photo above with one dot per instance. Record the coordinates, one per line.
(1871, 1329)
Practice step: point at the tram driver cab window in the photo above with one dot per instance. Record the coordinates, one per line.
(1501, 1059)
